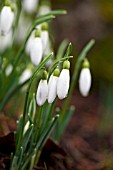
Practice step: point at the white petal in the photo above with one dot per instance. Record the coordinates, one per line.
(9, 70)
(6, 19)
(23, 25)
(25, 76)
(6, 41)
(63, 84)
(85, 81)
(42, 92)
(36, 51)
(29, 44)
(50, 79)
(30, 6)
(44, 37)
(52, 91)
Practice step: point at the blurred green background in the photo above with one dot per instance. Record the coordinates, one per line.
(88, 19)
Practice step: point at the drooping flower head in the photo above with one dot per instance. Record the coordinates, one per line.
(30, 6)
(36, 49)
(64, 81)
(44, 35)
(52, 85)
(45, 7)
(85, 79)
(42, 91)
(6, 18)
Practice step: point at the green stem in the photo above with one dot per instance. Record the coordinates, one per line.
(55, 12)
(75, 75)
(38, 123)
(61, 49)
(27, 95)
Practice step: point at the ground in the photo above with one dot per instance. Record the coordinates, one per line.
(82, 147)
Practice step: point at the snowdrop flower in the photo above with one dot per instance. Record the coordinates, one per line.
(44, 35)
(30, 6)
(63, 81)
(42, 91)
(85, 79)
(36, 50)
(9, 70)
(23, 25)
(6, 41)
(45, 8)
(6, 19)
(29, 44)
(25, 76)
(52, 86)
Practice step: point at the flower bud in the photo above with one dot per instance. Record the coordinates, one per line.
(25, 76)
(30, 6)
(36, 50)
(8, 69)
(44, 8)
(85, 79)
(6, 41)
(63, 81)
(52, 86)
(6, 19)
(44, 35)
(42, 91)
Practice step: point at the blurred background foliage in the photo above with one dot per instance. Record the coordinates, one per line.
(88, 19)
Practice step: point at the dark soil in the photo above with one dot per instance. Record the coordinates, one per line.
(82, 146)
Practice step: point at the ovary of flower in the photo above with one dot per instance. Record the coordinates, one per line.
(6, 19)
(63, 84)
(52, 88)
(25, 76)
(30, 6)
(85, 81)
(42, 92)
(36, 51)
(44, 37)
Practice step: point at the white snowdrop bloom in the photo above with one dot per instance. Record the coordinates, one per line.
(8, 70)
(30, 6)
(44, 37)
(63, 84)
(85, 81)
(6, 41)
(29, 43)
(25, 76)
(52, 86)
(23, 25)
(64, 81)
(36, 50)
(50, 80)
(44, 9)
(42, 91)
(48, 48)
(6, 19)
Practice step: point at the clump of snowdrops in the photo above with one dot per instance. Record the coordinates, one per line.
(26, 55)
